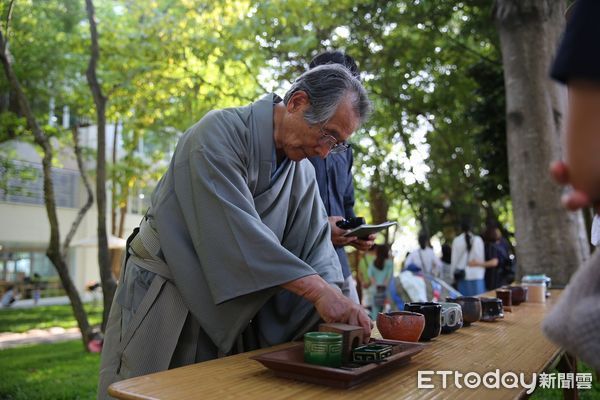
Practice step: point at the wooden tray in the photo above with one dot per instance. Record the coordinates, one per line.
(289, 363)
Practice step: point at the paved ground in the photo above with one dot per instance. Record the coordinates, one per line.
(44, 301)
(34, 336)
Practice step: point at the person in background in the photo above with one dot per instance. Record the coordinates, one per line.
(573, 323)
(380, 273)
(467, 259)
(363, 276)
(336, 187)
(424, 257)
(446, 264)
(36, 281)
(9, 297)
(508, 273)
(496, 258)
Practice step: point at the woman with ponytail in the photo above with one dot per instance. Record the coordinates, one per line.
(467, 249)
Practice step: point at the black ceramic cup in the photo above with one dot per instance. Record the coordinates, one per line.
(491, 309)
(506, 296)
(471, 308)
(433, 318)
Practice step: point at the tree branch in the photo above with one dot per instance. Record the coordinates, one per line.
(8, 19)
(90, 198)
(254, 78)
(463, 46)
(106, 277)
(216, 87)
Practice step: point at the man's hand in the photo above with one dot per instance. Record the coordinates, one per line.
(364, 244)
(339, 240)
(333, 306)
(337, 234)
(330, 303)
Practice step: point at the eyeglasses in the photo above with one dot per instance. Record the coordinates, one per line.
(335, 146)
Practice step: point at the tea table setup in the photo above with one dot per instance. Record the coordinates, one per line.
(512, 344)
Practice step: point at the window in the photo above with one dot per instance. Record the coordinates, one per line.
(23, 182)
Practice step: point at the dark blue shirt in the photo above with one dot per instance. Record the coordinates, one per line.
(334, 178)
(578, 56)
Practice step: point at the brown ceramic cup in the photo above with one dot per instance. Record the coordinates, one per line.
(401, 325)
(506, 296)
(519, 294)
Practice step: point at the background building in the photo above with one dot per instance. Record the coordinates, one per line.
(24, 227)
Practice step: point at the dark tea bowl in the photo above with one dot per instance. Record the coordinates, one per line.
(471, 308)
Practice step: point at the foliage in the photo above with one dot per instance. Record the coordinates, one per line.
(164, 65)
(44, 317)
(48, 371)
(11, 126)
(40, 34)
(435, 76)
(435, 144)
(584, 394)
(11, 172)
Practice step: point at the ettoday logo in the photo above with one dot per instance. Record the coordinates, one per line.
(496, 380)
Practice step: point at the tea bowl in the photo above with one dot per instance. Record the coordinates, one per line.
(452, 318)
(491, 309)
(471, 308)
(401, 325)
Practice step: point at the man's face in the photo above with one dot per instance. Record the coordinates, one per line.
(303, 140)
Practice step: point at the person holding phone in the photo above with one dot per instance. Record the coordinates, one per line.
(336, 187)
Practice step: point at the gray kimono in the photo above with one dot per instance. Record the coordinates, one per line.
(227, 232)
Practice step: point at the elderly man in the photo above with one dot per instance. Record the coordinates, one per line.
(235, 253)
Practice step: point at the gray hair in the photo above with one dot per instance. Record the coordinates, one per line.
(326, 86)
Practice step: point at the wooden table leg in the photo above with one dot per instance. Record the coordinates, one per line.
(568, 364)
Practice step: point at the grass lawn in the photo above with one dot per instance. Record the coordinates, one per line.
(49, 371)
(557, 394)
(44, 317)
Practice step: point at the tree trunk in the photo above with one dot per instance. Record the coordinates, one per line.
(115, 254)
(106, 277)
(379, 205)
(54, 251)
(113, 179)
(548, 237)
(90, 196)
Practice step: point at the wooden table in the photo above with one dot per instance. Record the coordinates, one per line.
(514, 344)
